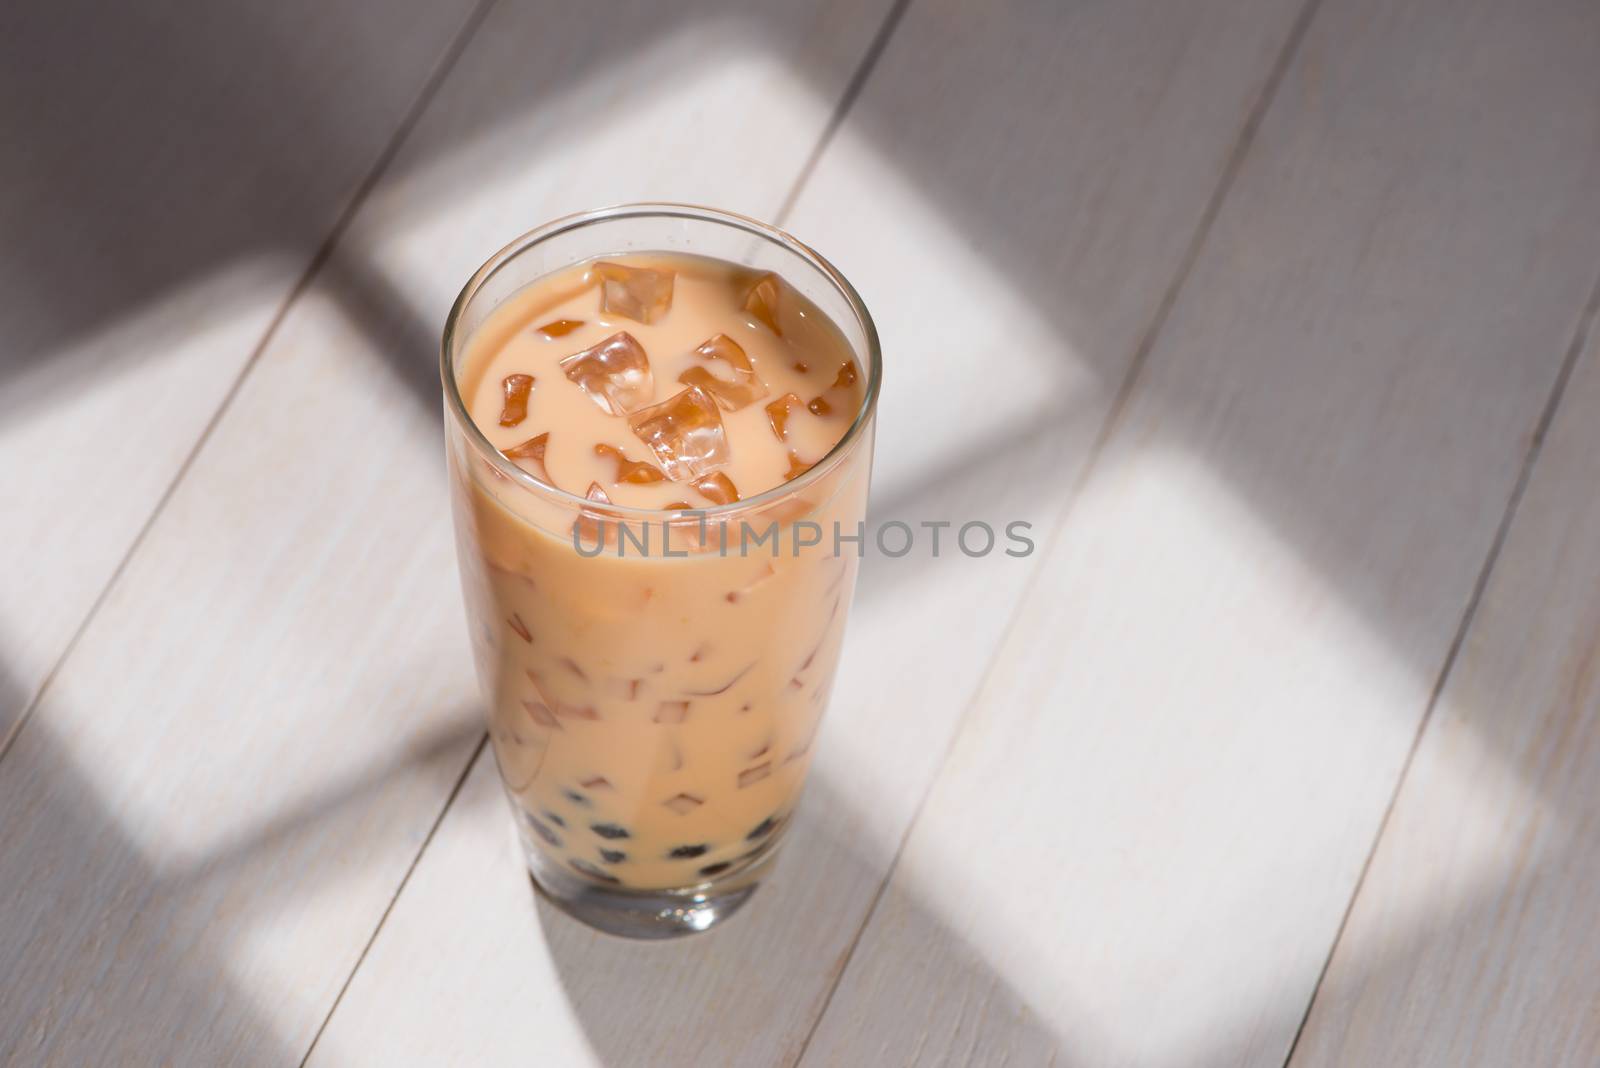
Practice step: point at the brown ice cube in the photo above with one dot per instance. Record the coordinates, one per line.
(751, 776)
(797, 466)
(761, 300)
(640, 293)
(778, 414)
(636, 471)
(516, 389)
(685, 432)
(672, 712)
(560, 327)
(615, 373)
(839, 392)
(588, 525)
(732, 393)
(540, 713)
(717, 488)
(531, 451)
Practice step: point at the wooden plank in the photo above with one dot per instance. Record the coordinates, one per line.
(201, 832)
(169, 170)
(1146, 834)
(1474, 938)
(945, 140)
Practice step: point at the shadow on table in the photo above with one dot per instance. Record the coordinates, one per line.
(644, 1003)
(193, 981)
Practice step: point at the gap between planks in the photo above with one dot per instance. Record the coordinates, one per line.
(1580, 341)
(841, 110)
(441, 68)
(1125, 388)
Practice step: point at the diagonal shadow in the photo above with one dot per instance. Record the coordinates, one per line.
(189, 985)
(1312, 512)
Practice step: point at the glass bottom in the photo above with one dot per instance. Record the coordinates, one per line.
(645, 914)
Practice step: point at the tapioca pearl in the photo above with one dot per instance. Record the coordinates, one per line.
(609, 830)
(554, 817)
(575, 797)
(613, 856)
(583, 867)
(688, 852)
(716, 869)
(762, 829)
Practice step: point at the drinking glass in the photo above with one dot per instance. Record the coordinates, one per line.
(655, 679)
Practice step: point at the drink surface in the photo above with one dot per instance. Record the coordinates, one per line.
(804, 368)
(652, 715)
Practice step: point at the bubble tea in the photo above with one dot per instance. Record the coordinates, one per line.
(660, 470)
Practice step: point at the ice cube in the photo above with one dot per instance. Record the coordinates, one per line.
(615, 373)
(683, 804)
(540, 713)
(838, 393)
(742, 389)
(636, 471)
(717, 488)
(589, 527)
(778, 414)
(531, 451)
(516, 389)
(685, 432)
(560, 327)
(639, 293)
(761, 300)
(797, 466)
(672, 712)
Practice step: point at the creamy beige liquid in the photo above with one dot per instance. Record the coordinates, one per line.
(652, 715)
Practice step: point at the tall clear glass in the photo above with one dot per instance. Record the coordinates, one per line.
(653, 712)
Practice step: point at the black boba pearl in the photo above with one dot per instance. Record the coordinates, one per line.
(575, 797)
(609, 830)
(688, 852)
(717, 868)
(613, 856)
(762, 829)
(555, 818)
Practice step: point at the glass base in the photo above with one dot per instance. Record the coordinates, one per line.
(645, 914)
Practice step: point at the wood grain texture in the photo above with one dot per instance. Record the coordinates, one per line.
(1147, 832)
(947, 184)
(1476, 936)
(220, 793)
(169, 171)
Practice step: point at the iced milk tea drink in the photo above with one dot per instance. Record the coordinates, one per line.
(660, 438)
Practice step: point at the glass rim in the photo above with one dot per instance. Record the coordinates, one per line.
(668, 210)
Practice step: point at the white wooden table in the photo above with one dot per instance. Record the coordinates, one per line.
(1283, 747)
